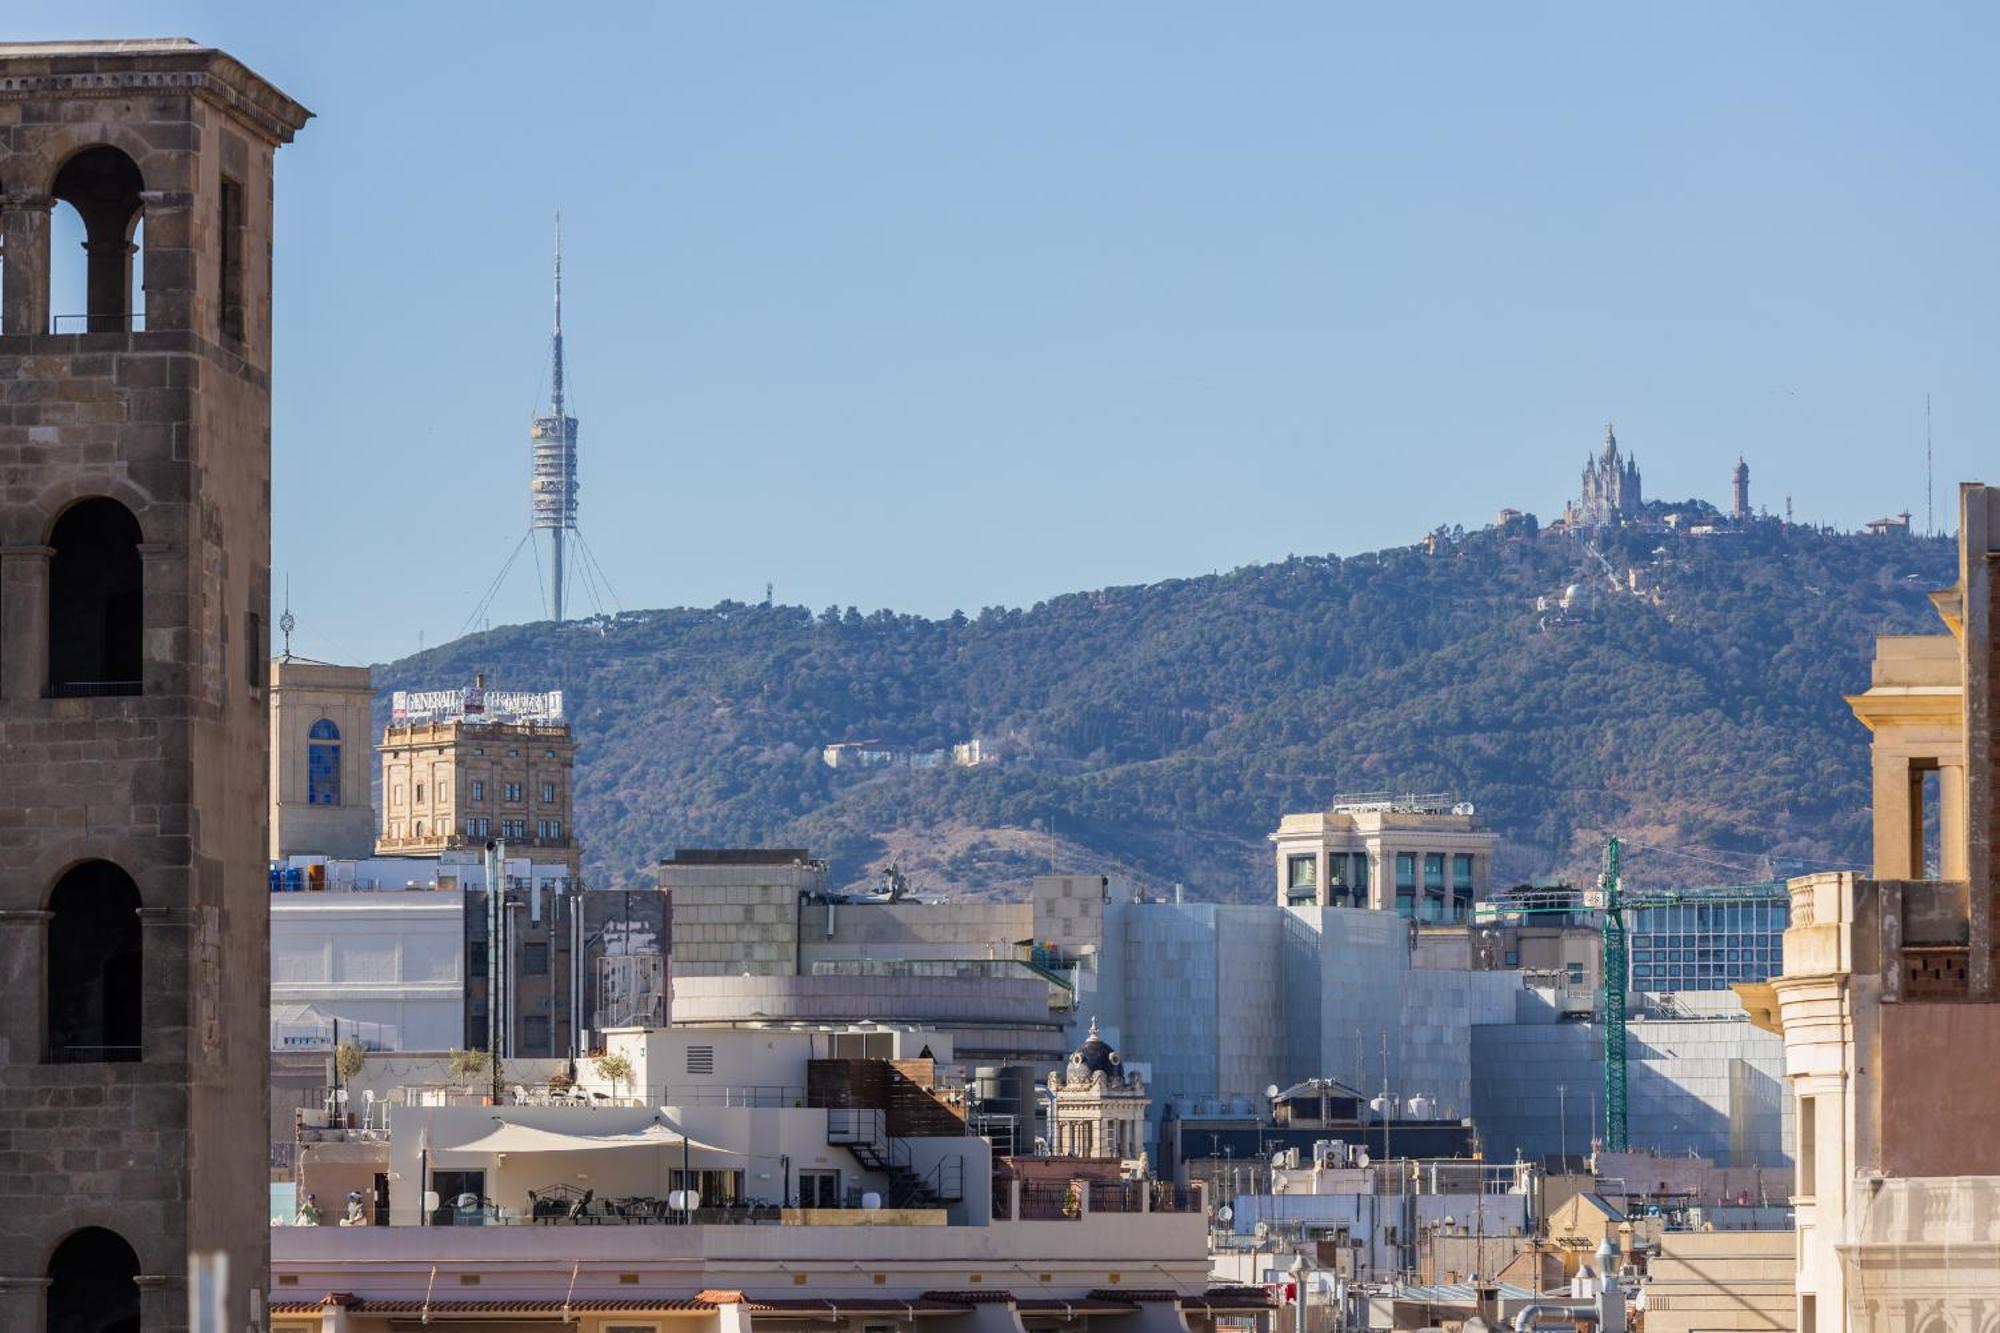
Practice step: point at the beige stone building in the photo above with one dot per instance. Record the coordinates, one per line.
(1887, 1000)
(135, 540)
(1721, 1282)
(461, 768)
(322, 718)
(1424, 857)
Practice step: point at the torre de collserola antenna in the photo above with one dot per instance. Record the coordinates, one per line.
(552, 491)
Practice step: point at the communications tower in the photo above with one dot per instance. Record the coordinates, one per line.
(552, 490)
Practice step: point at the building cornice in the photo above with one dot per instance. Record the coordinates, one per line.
(69, 70)
(1942, 704)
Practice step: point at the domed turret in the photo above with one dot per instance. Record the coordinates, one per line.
(1095, 1056)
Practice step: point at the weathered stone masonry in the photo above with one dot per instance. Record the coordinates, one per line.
(134, 578)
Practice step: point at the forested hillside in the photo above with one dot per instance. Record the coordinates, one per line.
(1163, 729)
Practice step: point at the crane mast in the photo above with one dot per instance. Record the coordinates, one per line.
(1616, 981)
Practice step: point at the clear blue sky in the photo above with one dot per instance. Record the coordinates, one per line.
(932, 306)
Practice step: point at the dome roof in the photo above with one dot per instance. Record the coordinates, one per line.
(1095, 1055)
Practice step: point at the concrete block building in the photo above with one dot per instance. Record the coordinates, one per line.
(1215, 999)
(389, 966)
(135, 470)
(1703, 1081)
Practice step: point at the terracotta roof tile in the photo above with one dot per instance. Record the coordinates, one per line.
(622, 1305)
(925, 1304)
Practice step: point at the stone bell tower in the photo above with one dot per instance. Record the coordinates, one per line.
(135, 537)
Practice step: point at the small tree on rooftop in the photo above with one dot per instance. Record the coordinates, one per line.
(466, 1065)
(348, 1057)
(615, 1068)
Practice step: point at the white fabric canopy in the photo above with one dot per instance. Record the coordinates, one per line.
(508, 1136)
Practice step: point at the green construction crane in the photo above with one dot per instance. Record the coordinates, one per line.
(1616, 956)
(1615, 982)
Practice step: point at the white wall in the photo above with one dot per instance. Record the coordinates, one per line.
(396, 960)
(764, 1143)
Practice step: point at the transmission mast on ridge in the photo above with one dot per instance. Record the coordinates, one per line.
(1930, 486)
(552, 491)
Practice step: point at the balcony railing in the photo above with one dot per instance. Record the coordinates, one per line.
(124, 321)
(95, 689)
(638, 1210)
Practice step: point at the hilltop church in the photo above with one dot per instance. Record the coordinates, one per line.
(1611, 493)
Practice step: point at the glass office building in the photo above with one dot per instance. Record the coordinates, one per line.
(1707, 946)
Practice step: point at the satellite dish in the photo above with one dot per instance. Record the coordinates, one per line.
(1263, 1231)
(1272, 1092)
(1225, 1214)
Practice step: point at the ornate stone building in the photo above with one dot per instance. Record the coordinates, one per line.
(1611, 493)
(135, 540)
(1099, 1107)
(1888, 1001)
(461, 768)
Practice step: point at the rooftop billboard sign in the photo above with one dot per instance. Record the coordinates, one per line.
(475, 704)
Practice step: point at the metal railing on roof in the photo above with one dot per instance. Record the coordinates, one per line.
(121, 321)
(1399, 803)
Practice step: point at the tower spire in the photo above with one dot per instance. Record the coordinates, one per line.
(556, 376)
(552, 492)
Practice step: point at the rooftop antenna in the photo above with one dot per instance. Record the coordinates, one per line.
(1930, 488)
(288, 622)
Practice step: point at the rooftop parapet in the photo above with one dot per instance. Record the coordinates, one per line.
(1913, 936)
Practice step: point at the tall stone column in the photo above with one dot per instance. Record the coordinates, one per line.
(24, 239)
(1979, 551)
(21, 934)
(163, 656)
(1951, 821)
(108, 299)
(1895, 817)
(24, 600)
(163, 1301)
(22, 1300)
(170, 284)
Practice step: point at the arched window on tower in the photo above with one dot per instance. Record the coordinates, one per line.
(323, 763)
(103, 186)
(95, 587)
(93, 1284)
(94, 966)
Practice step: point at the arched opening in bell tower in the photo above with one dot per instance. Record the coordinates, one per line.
(95, 967)
(96, 595)
(93, 1284)
(99, 210)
